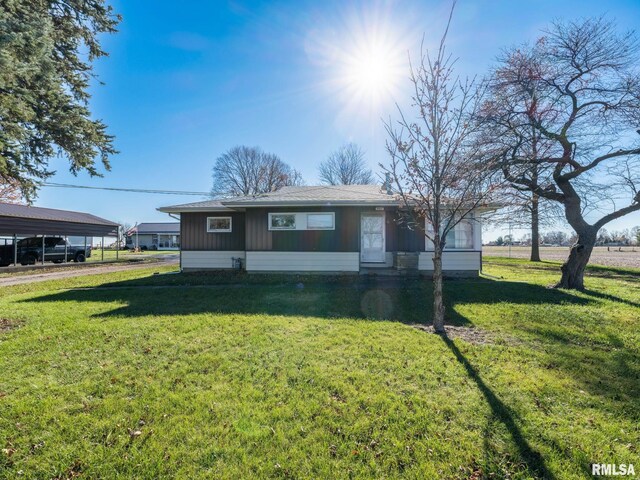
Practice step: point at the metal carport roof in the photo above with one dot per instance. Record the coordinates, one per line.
(25, 220)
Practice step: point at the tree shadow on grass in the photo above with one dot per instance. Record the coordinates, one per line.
(407, 300)
(398, 299)
(528, 455)
(612, 368)
(613, 298)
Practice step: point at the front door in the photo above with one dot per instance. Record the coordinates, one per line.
(372, 238)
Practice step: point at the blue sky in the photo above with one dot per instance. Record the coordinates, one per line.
(186, 81)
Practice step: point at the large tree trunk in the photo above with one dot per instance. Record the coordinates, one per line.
(535, 229)
(438, 304)
(573, 269)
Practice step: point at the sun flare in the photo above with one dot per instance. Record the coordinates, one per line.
(371, 72)
(363, 57)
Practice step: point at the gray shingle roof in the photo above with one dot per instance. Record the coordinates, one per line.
(321, 195)
(39, 213)
(204, 206)
(291, 196)
(158, 227)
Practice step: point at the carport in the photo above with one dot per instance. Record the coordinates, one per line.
(23, 221)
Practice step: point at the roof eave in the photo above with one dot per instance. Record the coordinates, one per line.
(315, 203)
(179, 210)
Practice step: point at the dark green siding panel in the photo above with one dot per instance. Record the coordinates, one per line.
(194, 235)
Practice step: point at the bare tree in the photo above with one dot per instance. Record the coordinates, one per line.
(524, 208)
(435, 163)
(250, 171)
(123, 234)
(346, 166)
(521, 208)
(578, 88)
(10, 191)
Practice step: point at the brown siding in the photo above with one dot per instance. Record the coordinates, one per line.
(410, 240)
(391, 230)
(194, 235)
(345, 237)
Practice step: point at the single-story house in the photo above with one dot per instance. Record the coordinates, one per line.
(154, 236)
(351, 228)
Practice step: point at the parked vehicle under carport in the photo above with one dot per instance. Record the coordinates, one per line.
(56, 250)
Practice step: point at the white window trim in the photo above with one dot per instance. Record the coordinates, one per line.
(447, 248)
(220, 230)
(301, 219)
(295, 226)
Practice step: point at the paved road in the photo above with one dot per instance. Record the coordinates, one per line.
(86, 269)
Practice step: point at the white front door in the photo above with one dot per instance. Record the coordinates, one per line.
(372, 237)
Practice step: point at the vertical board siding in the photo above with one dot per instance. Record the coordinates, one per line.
(391, 230)
(194, 235)
(345, 237)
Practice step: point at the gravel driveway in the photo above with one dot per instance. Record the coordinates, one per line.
(86, 269)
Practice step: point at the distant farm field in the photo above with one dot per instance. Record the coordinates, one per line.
(625, 257)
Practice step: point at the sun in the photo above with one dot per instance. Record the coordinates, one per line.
(361, 58)
(371, 72)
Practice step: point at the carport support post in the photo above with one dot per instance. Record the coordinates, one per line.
(15, 250)
(66, 257)
(42, 249)
(102, 245)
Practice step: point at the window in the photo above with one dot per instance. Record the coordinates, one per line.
(320, 221)
(218, 224)
(302, 221)
(462, 236)
(459, 238)
(282, 221)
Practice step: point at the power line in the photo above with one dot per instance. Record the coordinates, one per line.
(131, 190)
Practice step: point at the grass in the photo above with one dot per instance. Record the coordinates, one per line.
(135, 375)
(110, 255)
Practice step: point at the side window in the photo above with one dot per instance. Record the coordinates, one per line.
(320, 221)
(460, 237)
(463, 235)
(218, 224)
(282, 221)
(50, 242)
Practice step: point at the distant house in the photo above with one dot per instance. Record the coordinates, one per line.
(351, 228)
(154, 236)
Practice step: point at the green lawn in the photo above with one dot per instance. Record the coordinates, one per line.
(135, 375)
(110, 255)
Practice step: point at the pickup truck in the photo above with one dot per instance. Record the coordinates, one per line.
(30, 251)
